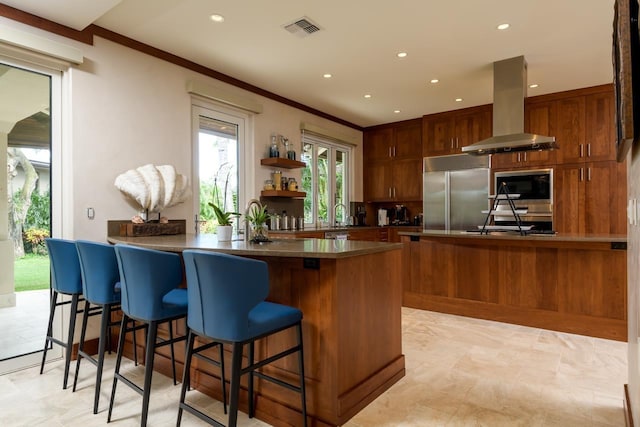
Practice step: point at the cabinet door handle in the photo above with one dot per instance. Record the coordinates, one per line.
(589, 150)
(518, 157)
(394, 151)
(581, 174)
(457, 142)
(525, 156)
(389, 151)
(589, 174)
(394, 192)
(389, 192)
(581, 150)
(452, 146)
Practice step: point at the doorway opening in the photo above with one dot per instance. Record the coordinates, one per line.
(26, 138)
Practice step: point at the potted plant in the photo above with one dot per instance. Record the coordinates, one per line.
(224, 218)
(258, 217)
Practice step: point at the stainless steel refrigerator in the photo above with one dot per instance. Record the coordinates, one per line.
(456, 191)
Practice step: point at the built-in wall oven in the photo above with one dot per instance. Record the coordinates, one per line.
(534, 190)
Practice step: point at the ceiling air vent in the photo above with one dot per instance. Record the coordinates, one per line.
(302, 27)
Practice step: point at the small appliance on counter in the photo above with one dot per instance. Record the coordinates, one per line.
(383, 217)
(401, 215)
(358, 213)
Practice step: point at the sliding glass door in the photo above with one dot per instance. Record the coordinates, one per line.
(26, 140)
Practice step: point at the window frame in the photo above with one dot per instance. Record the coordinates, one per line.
(332, 146)
(243, 121)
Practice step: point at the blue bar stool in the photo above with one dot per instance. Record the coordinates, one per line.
(101, 288)
(227, 305)
(150, 294)
(65, 280)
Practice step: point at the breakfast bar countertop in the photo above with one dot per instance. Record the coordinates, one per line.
(303, 248)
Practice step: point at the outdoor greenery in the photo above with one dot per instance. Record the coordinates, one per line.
(213, 195)
(37, 223)
(31, 272)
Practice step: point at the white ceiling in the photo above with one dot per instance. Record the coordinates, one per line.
(567, 44)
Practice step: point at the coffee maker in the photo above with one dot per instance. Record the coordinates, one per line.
(358, 213)
(401, 215)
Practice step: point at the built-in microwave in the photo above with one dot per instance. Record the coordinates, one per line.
(533, 197)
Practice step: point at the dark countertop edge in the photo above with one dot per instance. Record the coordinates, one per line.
(559, 237)
(261, 250)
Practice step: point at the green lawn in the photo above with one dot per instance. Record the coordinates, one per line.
(31, 273)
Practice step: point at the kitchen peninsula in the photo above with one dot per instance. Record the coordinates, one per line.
(563, 282)
(350, 293)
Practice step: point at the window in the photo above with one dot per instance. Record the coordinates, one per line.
(325, 179)
(218, 152)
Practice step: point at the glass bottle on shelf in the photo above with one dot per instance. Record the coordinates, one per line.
(273, 149)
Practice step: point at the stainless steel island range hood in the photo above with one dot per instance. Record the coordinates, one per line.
(509, 92)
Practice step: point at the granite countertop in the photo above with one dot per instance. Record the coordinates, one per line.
(290, 248)
(559, 237)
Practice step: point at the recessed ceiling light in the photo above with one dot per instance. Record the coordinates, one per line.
(217, 18)
(327, 75)
(434, 81)
(533, 85)
(367, 96)
(402, 54)
(503, 26)
(396, 111)
(458, 99)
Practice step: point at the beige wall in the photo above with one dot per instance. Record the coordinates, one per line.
(130, 109)
(125, 109)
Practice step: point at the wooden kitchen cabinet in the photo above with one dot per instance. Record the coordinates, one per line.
(590, 198)
(554, 283)
(368, 234)
(600, 126)
(400, 140)
(393, 162)
(446, 133)
(539, 118)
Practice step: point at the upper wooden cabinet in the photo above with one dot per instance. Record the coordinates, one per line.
(582, 122)
(393, 162)
(539, 118)
(446, 133)
(396, 141)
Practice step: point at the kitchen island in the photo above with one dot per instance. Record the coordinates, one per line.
(563, 282)
(350, 293)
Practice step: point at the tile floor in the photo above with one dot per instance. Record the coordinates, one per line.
(460, 372)
(27, 322)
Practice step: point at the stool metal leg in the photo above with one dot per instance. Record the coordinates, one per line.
(105, 327)
(186, 375)
(236, 366)
(148, 370)
(250, 382)
(123, 332)
(72, 326)
(303, 388)
(173, 358)
(83, 333)
(52, 311)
